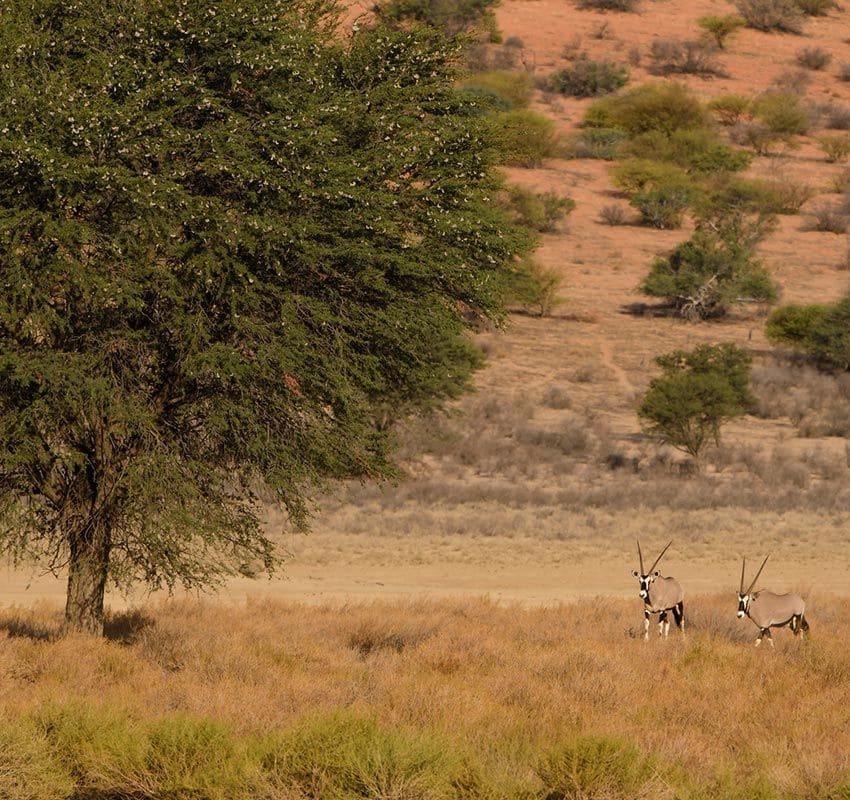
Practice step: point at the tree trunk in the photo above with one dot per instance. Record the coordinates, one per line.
(87, 569)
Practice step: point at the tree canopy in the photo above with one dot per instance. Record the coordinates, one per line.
(227, 235)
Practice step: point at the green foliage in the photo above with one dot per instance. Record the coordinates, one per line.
(535, 288)
(730, 108)
(515, 87)
(821, 331)
(660, 192)
(609, 5)
(772, 15)
(836, 147)
(586, 78)
(29, 770)
(716, 268)
(664, 107)
(635, 175)
(697, 393)
(698, 151)
(603, 143)
(450, 16)
(782, 113)
(539, 211)
(719, 28)
(226, 239)
(524, 138)
(779, 196)
(595, 766)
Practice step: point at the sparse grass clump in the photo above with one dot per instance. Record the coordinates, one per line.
(815, 58)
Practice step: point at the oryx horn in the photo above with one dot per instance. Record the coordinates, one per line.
(640, 556)
(659, 557)
(757, 574)
(743, 567)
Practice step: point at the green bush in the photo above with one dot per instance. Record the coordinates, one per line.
(821, 331)
(593, 766)
(603, 143)
(664, 205)
(771, 15)
(782, 113)
(640, 174)
(451, 16)
(714, 269)
(515, 87)
(29, 770)
(539, 211)
(730, 108)
(524, 138)
(697, 151)
(534, 288)
(718, 29)
(835, 146)
(673, 57)
(696, 394)
(609, 5)
(779, 196)
(586, 78)
(665, 107)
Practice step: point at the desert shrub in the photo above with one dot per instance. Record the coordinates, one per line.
(836, 116)
(714, 269)
(717, 29)
(697, 393)
(766, 196)
(821, 331)
(795, 81)
(451, 16)
(29, 770)
(515, 87)
(828, 217)
(339, 756)
(697, 151)
(587, 78)
(534, 287)
(539, 211)
(664, 204)
(639, 174)
(771, 15)
(759, 137)
(514, 41)
(782, 113)
(557, 397)
(613, 214)
(593, 766)
(602, 143)
(815, 8)
(835, 147)
(608, 5)
(844, 71)
(665, 107)
(524, 138)
(730, 108)
(671, 57)
(815, 58)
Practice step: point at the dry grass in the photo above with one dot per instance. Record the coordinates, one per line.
(512, 702)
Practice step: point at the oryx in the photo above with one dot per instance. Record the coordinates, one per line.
(770, 610)
(660, 595)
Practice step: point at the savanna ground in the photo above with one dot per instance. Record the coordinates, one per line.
(467, 630)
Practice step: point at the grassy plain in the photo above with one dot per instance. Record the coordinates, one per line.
(423, 700)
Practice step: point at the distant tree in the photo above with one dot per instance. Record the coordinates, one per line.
(716, 268)
(697, 393)
(227, 239)
(821, 331)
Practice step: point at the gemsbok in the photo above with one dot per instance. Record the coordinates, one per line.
(660, 595)
(770, 610)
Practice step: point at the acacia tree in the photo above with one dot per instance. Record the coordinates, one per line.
(697, 393)
(226, 236)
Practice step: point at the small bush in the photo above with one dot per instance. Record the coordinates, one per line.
(844, 72)
(771, 15)
(730, 108)
(597, 767)
(602, 143)
(557, 397)
(794, 81)
(524, 138)
(718, 29)
(614, 214)
(671, 57)
(815, 58)
(815, 8)
(762, 196)
(539, 211)
(534, 287)
(782, 113)
(821, 331)
(29, 770)
(759, 137)
(665, 107)
(664, 205)
(586, 78)
(837, 117)
(828, 217)
(640, 174)
(696, 151)
(608, 5)
(515, 87)
(836, 147)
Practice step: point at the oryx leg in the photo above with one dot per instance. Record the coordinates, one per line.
(663, 624)
(645, 624)
(679, 615)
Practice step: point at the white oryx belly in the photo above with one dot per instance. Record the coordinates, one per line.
(664, 593)
(767, 608)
